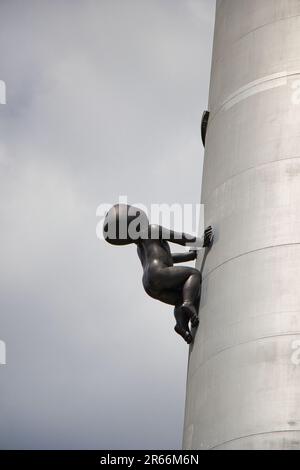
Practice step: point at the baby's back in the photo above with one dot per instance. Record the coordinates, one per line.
(155, 254)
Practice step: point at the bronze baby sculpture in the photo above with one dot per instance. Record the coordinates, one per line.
(177, 286)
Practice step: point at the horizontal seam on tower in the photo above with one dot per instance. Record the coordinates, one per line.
(248, 87)
(253, 435)
(245, 171)
(213, 356)
(279, 20)
(253, 318)
(220, 58)
(248, 253)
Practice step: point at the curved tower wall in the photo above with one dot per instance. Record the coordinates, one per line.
(243, 389)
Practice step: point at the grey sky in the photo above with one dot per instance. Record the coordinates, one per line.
(104, 98)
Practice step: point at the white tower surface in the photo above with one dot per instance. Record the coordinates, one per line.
(243, 389)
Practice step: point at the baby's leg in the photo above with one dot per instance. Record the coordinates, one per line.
(191, 294)
(188, 280)
(179, 278)
(182, 325)
(168, 296)
(191, 288)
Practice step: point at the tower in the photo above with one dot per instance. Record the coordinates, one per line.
(243, 386)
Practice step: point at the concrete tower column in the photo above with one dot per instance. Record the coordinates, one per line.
(243, 389)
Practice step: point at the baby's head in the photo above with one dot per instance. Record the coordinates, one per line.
(124, 225)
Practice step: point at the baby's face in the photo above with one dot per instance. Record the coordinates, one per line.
(124, 225)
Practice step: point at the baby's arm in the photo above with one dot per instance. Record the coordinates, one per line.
(160, 233)
(184, 257)
(207, 244)
(201, 257)
(201, 254)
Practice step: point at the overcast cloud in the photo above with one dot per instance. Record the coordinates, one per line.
(104, 98)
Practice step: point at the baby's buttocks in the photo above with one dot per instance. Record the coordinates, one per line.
(151, 279)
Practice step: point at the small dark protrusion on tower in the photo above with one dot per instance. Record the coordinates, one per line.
(204, 124)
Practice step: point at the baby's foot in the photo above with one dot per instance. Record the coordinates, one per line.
(186, 335)
(182, 324)
(191, 311)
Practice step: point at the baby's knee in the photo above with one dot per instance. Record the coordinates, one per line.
(197, 275)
